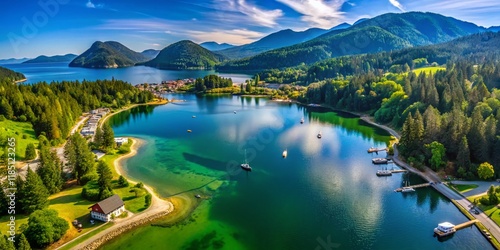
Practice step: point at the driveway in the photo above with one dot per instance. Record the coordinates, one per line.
(483, 186)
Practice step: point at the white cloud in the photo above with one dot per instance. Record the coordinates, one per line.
(397, 4)
(235, 36)
(318, 13)
(255, 14)
(90, 5)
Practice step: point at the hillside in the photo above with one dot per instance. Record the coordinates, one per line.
(383, 33)
(214, 46)
(150, 53)
(107, 55)
(275, 40)
(10, 74)
(185, 55)
(52, 59)
(13, 60)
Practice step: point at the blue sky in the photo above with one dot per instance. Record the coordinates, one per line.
(48, 27)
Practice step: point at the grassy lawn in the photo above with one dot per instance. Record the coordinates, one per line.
(462, 188)
(492, 211)
(83, 238)
(18, 130)
(428, 70)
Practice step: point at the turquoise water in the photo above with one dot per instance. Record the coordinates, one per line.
(324, 195)
(36, 72)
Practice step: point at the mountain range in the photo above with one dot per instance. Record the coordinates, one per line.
(287, 48)
(52, 59)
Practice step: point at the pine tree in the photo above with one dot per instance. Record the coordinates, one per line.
(80, 158)
(98, 138)
(35, 195)
(257, 80)
(417, 131)
(476, 138)
(248, 88)
(108, 136)
(432, 124)
(50, 170)
(30, 152)
(463, 157)
(22, 243)
(405, 141)
(104, 181)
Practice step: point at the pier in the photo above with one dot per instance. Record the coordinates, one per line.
(413, 186)
(395, 171)
(466, 224)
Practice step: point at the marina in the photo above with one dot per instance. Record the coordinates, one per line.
(412, 187)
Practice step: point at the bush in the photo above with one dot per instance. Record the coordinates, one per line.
(88, 177)
(147, 200)
(25, 136)
(22, 118)
(2, 118)
(45, 227)
(90, 194)
(122, 182)
(105, 193)
(123, 149)
(139, 185)
(485, 201)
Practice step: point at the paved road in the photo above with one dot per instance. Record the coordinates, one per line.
(482, 217)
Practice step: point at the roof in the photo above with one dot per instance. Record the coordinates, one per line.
(446, 225)
(110, 204)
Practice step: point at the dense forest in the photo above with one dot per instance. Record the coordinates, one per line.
(53, 108)
(212, 82)
(10, 75)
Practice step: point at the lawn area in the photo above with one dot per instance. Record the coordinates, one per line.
(83, 238)
(427, 70)
(462, 188)
(492, 211)
(18, 130)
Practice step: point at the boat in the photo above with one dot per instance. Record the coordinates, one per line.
(380, 161)
(444, 229)
(189, 131)
(372, 149)
(302, 120)
(245, 166)
(234, 111)
(285, 153)
(194, 116)
(407, 189)
(384, 172)
(319, 135)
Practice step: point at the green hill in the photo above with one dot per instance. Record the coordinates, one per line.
(52, 59)
(107, 55)
(383, 33)
(10, 74)
(185, 55)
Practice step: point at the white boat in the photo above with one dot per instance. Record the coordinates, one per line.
(245, 166)
(285, 153)
(444, 229)
(380, 161)
(384, 172)
(407, 189)
(234, 111)
(194, 116)
(302, 120)
(319, 135)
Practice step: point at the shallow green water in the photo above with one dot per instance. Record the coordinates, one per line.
(324, 195)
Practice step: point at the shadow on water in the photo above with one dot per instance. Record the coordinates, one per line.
(134, 113)
(206, 162)
(192, 189)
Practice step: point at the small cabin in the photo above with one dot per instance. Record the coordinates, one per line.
(446, 227)
(106, 208)
(120, 141)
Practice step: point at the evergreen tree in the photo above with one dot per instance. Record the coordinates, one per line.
(432, 124)
(406, 140)
(5, 243)
(417, 132)
(50, 170)
(257, 80)
(463, 157)
(79, 156)
(22, 243)
(104, 181)
(476, 139)
(248, 88)
(30, 153)
(98, 138)
(108, 136)
(35, 195)
(122, 181)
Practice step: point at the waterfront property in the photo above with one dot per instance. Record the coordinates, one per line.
(90, 126)
(120, 141)
(106, 209)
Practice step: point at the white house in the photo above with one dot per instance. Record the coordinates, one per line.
(104, 209)
(120, 141)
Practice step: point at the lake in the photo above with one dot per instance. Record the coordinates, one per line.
(36, 72)
(324, 195)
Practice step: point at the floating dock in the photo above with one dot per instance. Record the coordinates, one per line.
(413, 186)
(373, 150)
(455, 228)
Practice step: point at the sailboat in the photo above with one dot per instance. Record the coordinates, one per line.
(407, 188)
(285, 153)
(245, 166)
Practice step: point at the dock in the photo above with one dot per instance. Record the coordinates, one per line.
(413, 186)
(466, 224)
(394, 171)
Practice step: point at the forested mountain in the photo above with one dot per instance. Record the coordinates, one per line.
(13, 60)
(185, 55)
(476, 48)
(275, 40)
(150, 53)
(214, 46)
(108, 54)
(53, 108)
(10, 75)
(383, 33)
(51, 59)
